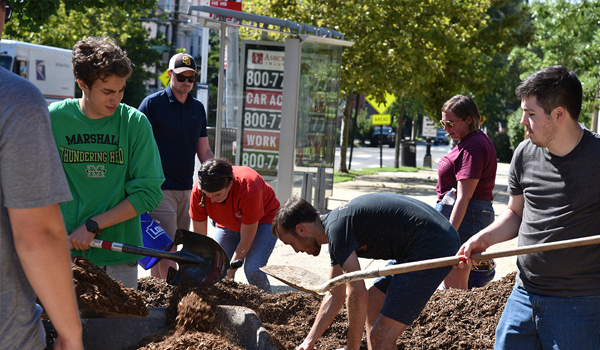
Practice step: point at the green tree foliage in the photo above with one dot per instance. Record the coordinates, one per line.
(32, 15)
(566, 33)
(65, 27)
(510, 26)
(426, 50)
(364, 127)
(213, 76)
(516, 131)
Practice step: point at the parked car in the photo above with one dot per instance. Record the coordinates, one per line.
(388, 136)
(441, 137)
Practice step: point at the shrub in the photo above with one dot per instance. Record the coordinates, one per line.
(516, 131)
(503, 150)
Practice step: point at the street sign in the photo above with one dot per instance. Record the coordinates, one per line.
(381, 107)
(381, 119)
(159, 48)
(164, 78)
(223, 4)
(429, 127)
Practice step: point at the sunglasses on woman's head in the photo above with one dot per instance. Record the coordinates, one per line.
(182, 78)
(207, 177)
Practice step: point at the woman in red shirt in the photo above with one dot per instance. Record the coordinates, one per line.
(242, 206)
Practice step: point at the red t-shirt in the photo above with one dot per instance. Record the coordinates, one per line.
(473, 158)
(250, 200)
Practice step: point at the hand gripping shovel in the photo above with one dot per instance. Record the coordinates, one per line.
(312, 283)
(201, 259)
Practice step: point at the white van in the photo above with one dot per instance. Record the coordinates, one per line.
(47, 67)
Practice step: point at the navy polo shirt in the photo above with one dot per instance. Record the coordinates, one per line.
(177, 128)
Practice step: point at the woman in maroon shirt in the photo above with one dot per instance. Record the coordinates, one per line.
(470, 169)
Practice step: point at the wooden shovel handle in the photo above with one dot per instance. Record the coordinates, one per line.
(453, 260)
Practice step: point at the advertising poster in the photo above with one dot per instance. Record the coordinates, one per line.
(261, 111)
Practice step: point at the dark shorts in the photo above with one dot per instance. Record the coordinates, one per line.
(479, 215)
(407, 294)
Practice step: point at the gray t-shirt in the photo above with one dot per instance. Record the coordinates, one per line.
(562, 201)
(31, 176)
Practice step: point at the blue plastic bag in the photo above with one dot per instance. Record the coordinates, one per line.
(155, 237)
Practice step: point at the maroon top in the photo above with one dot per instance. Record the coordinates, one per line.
(473, 158)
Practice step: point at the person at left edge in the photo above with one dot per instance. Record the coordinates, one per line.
(109, 156)
(179, 125)
(34, 253)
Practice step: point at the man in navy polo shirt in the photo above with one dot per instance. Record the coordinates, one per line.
(179, 125)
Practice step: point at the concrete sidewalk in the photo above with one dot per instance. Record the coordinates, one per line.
(420, 185)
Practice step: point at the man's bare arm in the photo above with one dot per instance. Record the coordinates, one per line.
(41, 243)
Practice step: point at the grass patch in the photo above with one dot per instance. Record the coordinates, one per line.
(391, 169)
(351, 174)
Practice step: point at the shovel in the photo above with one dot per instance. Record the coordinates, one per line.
(201, 259)
(312, 283)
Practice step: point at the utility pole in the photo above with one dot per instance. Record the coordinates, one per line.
(174, 29)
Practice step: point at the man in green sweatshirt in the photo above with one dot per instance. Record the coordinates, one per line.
(109, 156)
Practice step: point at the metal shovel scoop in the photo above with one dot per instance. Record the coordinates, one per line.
(307, 281)
(201, 259)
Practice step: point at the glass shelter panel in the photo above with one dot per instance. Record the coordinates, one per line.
(262, 82)
(318, 101)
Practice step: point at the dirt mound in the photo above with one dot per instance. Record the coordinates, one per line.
(102, 293)
(453, 319)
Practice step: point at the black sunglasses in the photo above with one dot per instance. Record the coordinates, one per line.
(8, 11)
(182, 78)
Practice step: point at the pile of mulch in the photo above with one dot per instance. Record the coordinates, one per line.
(192, 321)
(453, 319)
(100, 292)
(483, 265)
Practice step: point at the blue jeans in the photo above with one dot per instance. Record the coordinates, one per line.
(257, 256)
(532, 322)
(479, 215)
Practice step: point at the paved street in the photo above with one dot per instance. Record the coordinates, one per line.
(372, 157)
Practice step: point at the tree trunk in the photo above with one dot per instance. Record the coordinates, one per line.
(344, 132)
(399, 136)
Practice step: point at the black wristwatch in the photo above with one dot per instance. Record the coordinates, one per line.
(92, 226)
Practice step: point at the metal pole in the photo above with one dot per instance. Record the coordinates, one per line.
(174, 29)
(204, 64)
(222, 41)
(353, 131)
(427, 158)
(381, 146)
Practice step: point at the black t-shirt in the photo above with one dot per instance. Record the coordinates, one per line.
(386, 226)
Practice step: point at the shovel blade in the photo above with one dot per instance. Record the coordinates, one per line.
(208, 250)
(296, 277)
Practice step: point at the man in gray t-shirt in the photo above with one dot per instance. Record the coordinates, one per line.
(554, 196)
(34, 255)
